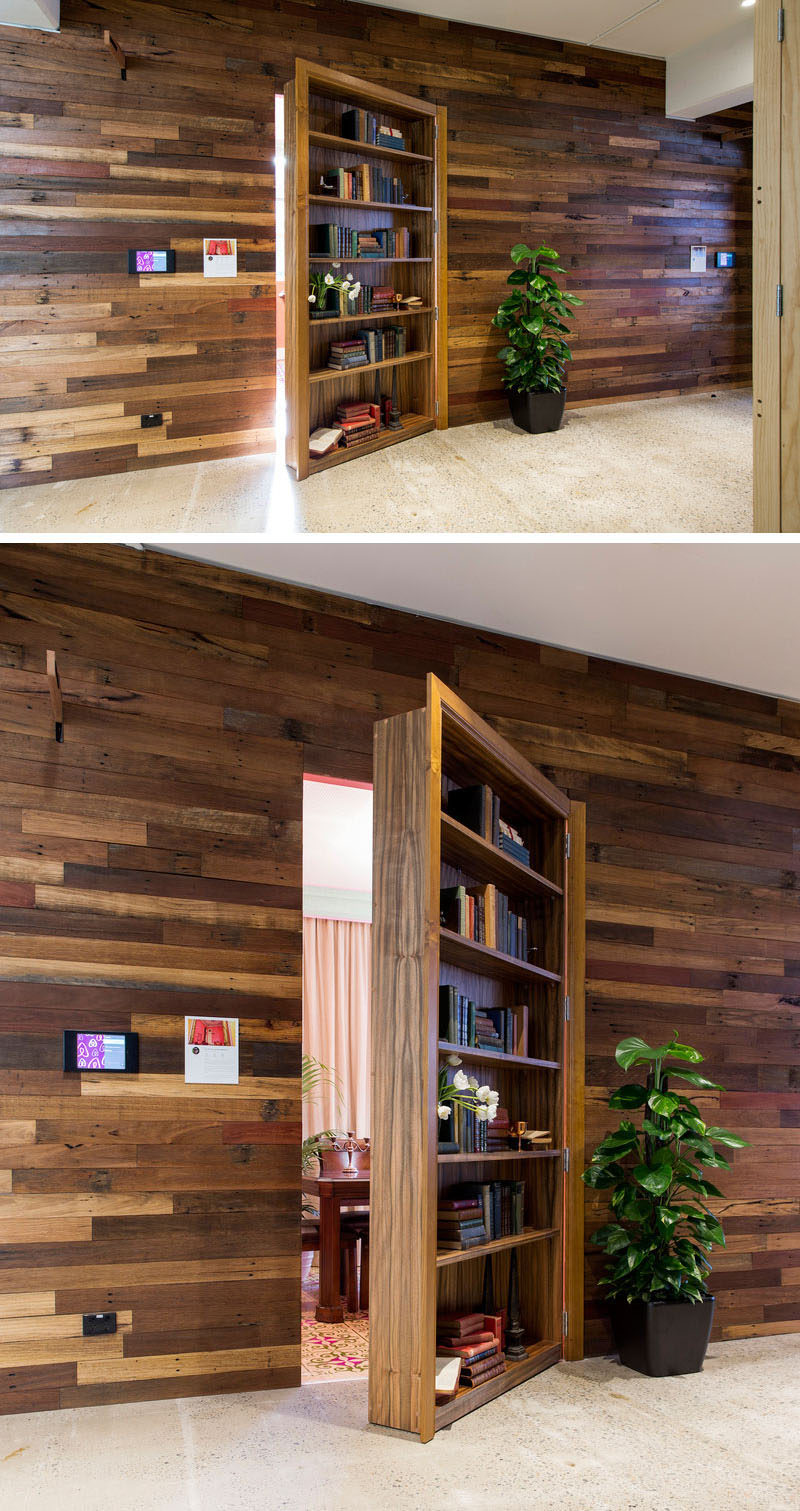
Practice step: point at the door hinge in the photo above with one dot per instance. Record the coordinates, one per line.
(436, 312)
(779, 302)
(566, 1161)
(436, 131)
(781, 24)
(436, 407)
(567, 1007)
(565, 1324)
(568, 845)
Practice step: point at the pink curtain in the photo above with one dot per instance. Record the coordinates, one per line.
(336, 1007)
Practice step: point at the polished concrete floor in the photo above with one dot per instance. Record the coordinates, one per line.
(661, 465)
(583, 1437)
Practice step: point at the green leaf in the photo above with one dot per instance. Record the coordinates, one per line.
(678, 1051)
(730, 1140)
(695, 1079)
(654, 1179)
(633, 1051)
(599, 1177)
(630, 1095)
(667, 1219)
(663, 1103)
(520, 252)
(612, 1238)
(520, 276)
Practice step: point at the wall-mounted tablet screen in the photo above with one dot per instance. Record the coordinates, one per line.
(151, 262)
(86, 1049)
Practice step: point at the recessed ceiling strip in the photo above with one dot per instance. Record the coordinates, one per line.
(636, 14)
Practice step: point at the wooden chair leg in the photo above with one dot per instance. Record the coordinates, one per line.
(364, 1285)
(351, 1274)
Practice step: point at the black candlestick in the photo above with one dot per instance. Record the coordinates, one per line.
(515, 1333)
(487, 1304)
(394, 413)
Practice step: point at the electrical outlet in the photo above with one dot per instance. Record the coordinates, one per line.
(96, 1323)
(149, 421)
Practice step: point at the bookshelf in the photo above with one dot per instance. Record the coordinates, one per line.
(317, 100)
(420, 758)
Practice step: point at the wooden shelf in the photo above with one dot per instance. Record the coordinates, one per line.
(330, 374)
(510, 1241)
(458, 950)
(365, 261)
(474, 1056)
(420, 309)
(413, 424)
(466, 848)
(366, 204)
(346, 144)
(539, 1356)
(495, 1156)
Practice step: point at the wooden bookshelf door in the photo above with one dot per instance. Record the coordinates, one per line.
(419, 848)
(316, 101)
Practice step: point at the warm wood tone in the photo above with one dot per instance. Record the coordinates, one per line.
(546, 140)
(156, 857)
(315, 99)
(418, 756)
(575, 1055)
(767, 272)
(790, 272)
(191, 696)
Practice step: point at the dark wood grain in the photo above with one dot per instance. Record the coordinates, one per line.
(547, 141)
(693, 860)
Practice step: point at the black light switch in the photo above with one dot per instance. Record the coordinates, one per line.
(95, 1323)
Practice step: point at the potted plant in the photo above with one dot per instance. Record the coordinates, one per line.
(663, 1229)
(534, 321)
(461, 1090)
(321, 285)
(314, 1075)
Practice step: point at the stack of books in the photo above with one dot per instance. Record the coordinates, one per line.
(512, 843)
(497, 1132)
(471, 1337)
(501, 1202)
(346, 354)
(364, 182)
(460, 1223)
(462, 1021)
(391, 136)
(383, 299)
(359, 421)
(478, 809)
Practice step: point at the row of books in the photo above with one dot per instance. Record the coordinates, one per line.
(484, 915)
(348, 353)
(361, 126)
(467, 1134)
(333, 240)
(377, 299)
(364, 182)
(386, 344)
(476, 1341)
(462, 1021)
(478, 809)
(499, 1205)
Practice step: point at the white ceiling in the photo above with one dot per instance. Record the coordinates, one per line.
(656, 28)
(721, 610)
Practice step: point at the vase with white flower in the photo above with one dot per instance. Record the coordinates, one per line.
(323, 285)
(462, 1090)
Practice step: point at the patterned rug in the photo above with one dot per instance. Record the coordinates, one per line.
(331, 1349)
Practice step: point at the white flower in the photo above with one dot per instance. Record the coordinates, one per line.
(491, 1111)
(329, 279)
(494, 1096)
(460, 1081)
(483, 1093)
(443, 1110)
(356, 288)
(348, 278)
(312, 298)
(473, 1085)
(453, 1060)
(482, 1114)
(336, 264)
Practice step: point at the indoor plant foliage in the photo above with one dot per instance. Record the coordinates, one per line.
(534, 320)
(663, 1229)
(315, 1075)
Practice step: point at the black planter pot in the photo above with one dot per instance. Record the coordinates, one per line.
(537, 413)
(663, 1337)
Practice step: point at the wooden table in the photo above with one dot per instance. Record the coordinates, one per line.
(333, 1192)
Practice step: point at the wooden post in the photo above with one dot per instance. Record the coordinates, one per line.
(118, 54)
(55, 696)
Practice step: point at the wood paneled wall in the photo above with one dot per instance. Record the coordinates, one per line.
(151, 865)
(546, 140)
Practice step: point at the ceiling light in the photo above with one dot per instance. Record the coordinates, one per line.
(746, 3)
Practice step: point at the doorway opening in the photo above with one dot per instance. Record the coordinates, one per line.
(337, 925)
